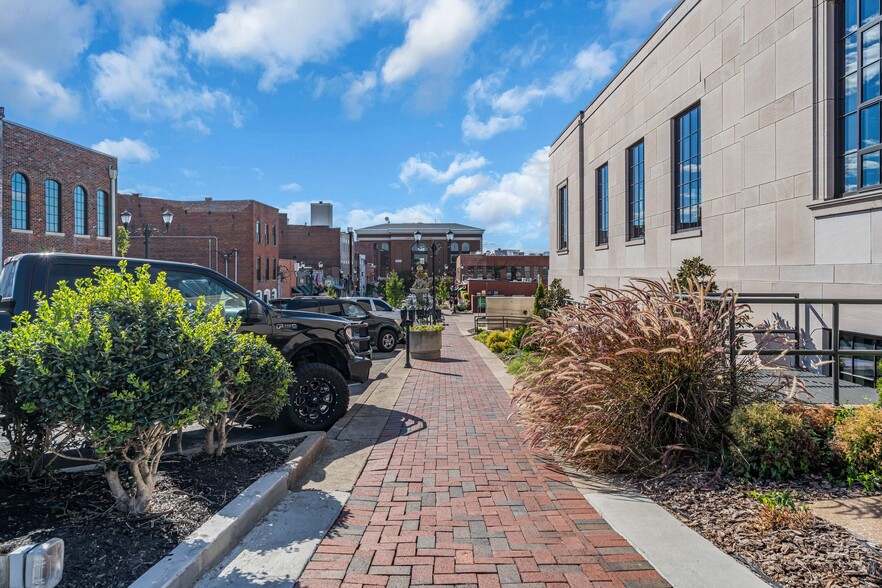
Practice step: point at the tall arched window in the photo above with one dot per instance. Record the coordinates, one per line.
(419, 255)
(103, 214)
(21, 202)
(275, 269)
(258, 231)
(258, 263)
(454, 252)
(465, 248)
(80, 210)
(53, 206)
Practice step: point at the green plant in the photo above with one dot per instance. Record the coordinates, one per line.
(445, 288)
(394, 289)
(857, 440)
(427, 329)
(257, 387)
(539, 299)
(523, 363)
(779, 510)
(870, 481)
(122, 241)
(694, 271)
(331, 291)
(123, 363)
(634, 377)
(769, 442)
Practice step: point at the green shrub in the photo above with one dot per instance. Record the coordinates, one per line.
(694, 271)
(499, 342)
(123, 363)
(779, 510)
(257, 387)
(523, 362)
(634, 377)
(394, 290)
(427, 328)
(857, 440)
(769, 442)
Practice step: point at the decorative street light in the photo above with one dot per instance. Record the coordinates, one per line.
(147, 230)
(418, 237)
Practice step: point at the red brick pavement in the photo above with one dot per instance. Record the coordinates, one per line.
(450, 496)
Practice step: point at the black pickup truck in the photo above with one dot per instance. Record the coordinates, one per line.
(325, 351)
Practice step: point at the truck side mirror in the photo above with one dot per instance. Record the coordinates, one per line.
(255, 312)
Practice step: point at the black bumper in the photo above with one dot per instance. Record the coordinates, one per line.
(359, 369)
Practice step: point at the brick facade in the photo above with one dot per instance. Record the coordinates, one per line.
(40, 157)
(501, 267)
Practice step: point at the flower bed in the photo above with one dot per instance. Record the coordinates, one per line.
(104, 547)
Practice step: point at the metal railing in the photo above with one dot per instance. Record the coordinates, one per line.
(500, 323)
(835, 352)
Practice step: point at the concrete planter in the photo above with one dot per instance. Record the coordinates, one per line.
(425, 344)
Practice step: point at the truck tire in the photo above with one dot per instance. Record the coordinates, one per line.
(317, 399)
(386, 341)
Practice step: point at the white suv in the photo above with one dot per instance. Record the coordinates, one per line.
(377, 306)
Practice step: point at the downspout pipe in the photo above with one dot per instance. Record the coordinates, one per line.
(113, 175)
(581, 193)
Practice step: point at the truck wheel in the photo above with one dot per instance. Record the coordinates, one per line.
(317, 399)
(386, 341)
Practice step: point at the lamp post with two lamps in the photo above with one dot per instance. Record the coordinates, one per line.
(418, 237)
(167, 217)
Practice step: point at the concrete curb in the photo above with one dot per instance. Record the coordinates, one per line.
(208, 544)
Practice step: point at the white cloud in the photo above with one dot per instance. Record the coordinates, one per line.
(135, 15)
(465, 185)
(359, 94)
(149, 81)
(39, 43)
(298, 212)
(623, 14)
(133, 150)
(439, 37)
(416, 168)
(418, 213)
(517, 204)
(291, 187)
(589, 67)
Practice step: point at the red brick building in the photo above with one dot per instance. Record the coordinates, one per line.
(503, 268)
(54, 195)
(392, 246)
(311, 244)
(238, 238)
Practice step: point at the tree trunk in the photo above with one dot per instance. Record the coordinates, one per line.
(223, 431)
(180, 440)
(208, 447)
(122, 498)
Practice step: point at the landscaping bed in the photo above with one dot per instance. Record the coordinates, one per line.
(104, 547)
(719, 508)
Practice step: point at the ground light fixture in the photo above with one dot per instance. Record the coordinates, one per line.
(33, 566)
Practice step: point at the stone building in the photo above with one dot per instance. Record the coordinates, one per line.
(54, 195)
(392, 246)
(746, 132)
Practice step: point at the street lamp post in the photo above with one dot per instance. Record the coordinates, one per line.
(167, 217)
(418, 237)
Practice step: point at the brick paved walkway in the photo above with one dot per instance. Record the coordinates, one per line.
(450, 496)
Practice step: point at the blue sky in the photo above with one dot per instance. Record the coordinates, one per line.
(420, 110)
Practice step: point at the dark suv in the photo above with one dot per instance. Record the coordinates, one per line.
(384, 332)
(326, 351)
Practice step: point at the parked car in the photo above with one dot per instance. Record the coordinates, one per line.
(377, 306)
(385, 333)
(325, 351)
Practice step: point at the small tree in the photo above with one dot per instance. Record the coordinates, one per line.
(539, 300)
(121, 361)
(445, 287)
(257, 387)
(699, 273)
(394, 289)
(556, 296)
(122, 241)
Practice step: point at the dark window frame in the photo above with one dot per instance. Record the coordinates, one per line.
(102, 201)
(849, 360)
(81, 210)
(631, 199)
(677, 203)
(50, 205)
(563, 216)
(25, 200)
(258, 231)
(861, 105)
(601, 186)
(258, 268)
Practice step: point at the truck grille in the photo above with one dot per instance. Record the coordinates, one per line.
(361, 341)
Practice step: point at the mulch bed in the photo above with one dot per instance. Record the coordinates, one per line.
(106, 548)
(719, 508)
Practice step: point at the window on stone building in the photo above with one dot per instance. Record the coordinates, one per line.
(636, 194)
(859, 91)
(258, 260)
(21, 202)
(602, 205)
(103, 213)
(563, 221)
(53, 206)
(258, 231)
(80, 210)
(687, 169)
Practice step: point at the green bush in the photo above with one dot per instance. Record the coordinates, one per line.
(394, 290)
(257, 387)
(769, 442)
(121, 362)
(857, 440)
(632, 378)
(498, 341)
(427, 328)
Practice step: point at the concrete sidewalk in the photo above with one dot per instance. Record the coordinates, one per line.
(451, 496)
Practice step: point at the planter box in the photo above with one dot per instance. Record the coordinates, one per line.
(425, 344)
